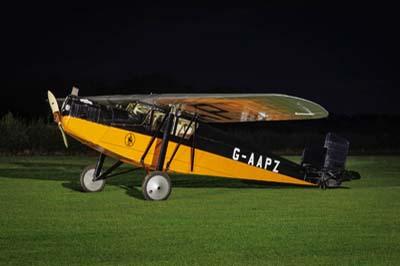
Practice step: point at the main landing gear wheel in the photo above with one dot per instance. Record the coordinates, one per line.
(87, 183)
(156, 186)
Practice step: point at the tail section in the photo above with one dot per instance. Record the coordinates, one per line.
(326, 166)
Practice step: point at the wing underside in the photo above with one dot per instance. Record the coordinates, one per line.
(228, 108)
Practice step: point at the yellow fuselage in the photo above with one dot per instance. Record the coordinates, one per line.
(129, 147)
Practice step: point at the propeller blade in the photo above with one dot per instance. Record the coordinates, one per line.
(63, 135)
(53, 102)
(54, 107)
(57, 115)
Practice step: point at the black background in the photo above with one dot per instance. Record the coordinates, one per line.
(345, 58)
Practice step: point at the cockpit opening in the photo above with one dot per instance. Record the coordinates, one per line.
(131, 115)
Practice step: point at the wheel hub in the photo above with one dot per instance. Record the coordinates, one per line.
(157, 187)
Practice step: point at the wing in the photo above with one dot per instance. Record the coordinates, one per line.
(228, 108)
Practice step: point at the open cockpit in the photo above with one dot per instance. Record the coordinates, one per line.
(132, 115)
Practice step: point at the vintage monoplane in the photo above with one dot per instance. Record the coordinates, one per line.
(168, 133)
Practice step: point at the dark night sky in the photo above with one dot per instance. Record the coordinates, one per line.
(345, 59)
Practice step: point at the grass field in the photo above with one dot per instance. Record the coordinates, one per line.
(45, 220)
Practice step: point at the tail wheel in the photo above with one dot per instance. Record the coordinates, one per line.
(87, 183)
(156, 186)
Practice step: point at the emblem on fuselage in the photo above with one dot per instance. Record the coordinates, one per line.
(129, 139)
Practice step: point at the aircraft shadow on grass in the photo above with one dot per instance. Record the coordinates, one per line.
(131, 182)
(132, 186)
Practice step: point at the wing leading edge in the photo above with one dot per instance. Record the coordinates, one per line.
(228, 108)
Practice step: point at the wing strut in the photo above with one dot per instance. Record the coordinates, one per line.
(153, 138)
(194, 117)
(165, 140)
(193, 149)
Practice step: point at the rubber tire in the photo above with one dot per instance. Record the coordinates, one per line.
(165, 189)
(84, 179)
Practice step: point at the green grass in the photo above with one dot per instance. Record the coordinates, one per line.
(45, 220)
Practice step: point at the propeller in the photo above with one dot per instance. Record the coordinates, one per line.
(57, 115)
